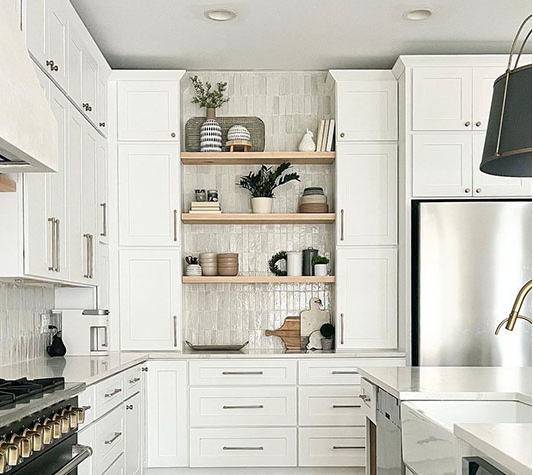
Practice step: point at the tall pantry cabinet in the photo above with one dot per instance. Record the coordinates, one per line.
(145, 128)
(366, 190)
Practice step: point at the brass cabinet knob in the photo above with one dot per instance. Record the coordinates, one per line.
(10, 453)
(467, 123)
(173, 135)
(478, 123)
(342, 134)
(478, 190)
(467, 190)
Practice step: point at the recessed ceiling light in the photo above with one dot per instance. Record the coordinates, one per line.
(418, 14)
(220, 14)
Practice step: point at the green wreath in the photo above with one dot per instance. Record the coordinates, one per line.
(273, 264)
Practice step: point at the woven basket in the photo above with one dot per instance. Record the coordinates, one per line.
(254, 124)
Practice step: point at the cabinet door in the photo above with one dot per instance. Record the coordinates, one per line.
(483, 84)
(149, 195)
(442, 165)
(134, 429)
(366, 194)
(490, 185)
(101, 109)
(367, 110)
(148, 110)
(102, 177)
(34, 26)
(366, 298)
(89, 200)
(103, 276)
(75, 62)
(89, 85)
(442, 99)
(150, 323)
(167, 439)
(87, 437)
(57, 41)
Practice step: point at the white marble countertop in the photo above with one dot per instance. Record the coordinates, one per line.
(509, 445)
(452, 383)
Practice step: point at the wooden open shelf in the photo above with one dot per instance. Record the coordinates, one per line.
(249, 218)
(257, 158)
(7, 185)
(251, 279)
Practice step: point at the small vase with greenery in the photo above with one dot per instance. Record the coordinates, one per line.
(209, 97)
(263, 183)
(320, 264)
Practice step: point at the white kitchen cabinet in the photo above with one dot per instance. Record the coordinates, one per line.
(75, 65)
(367, 110)
(103, 276)
(117, 467)
(101, 110)
(134, 430)
(89, 86)
(149, 194)
(442, 164)
(442, 98)
(166, 412)
(148, 110)
(56, 32)
(483, 84)
(366, 296)
(150, 323)
(366, 194)
(86, 437)
(33, 24)
(102, 169)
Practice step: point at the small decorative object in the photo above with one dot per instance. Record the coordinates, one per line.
(289, 332)
(294, 263)
(56, 347)
(200, 195)
(208, 262)
(239, 139)
(263, 183)
(212, 196)
(211, 99)
(315, 341)
(320, 264)
(312, 319)
(192, 269)
(328, 332)
(308, 255)
(191, 260)
(228, 264)
(205, 207)
(307, 144)
(273, 264)
(313, 201)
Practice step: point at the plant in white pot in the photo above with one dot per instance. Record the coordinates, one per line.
(263, 183)
(320, 264)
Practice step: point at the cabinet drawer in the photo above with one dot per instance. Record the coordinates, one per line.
(109, 439)
(242, 373)
(261, 406)
(329, 372)
(109, 394)
(368, 399)
(330, 406)
(267, 447)
(86, 400)
(117, 467)
(332, 447)
(132, 381)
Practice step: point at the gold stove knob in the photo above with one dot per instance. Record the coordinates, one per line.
(36, 439)
(81, 415)
(3, 463)
(56, 430)
(47, 433)
(65, 424)
(10, 453)
(23, 445)
(73, 419)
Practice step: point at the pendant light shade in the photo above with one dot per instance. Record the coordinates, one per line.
(507, 150)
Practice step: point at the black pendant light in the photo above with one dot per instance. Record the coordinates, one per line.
(507, 149)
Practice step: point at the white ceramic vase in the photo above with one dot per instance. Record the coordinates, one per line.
(262, 205)
(211, 134)
(321, 270)
(294, 263)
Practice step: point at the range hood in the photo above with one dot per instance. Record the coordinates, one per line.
(28, 129)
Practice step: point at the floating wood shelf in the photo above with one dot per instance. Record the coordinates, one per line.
(261, 279)
(7, 185)
(257, 158)
(249, 218)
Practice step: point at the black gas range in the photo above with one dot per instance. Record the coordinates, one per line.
(39, 420)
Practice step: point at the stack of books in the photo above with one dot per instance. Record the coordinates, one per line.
(205, 207)
(326, 136)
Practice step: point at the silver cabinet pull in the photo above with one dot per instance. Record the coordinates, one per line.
(115, 437)
(252, 406)
(104, 219)
(134, 380)
(90, 256)
(342, 224)
(87, 270)
(53, 246)
(342, 328)
(243, 448)
(345, 406)
(175, 225)
(175, 320)
(345, 447)
(344, 372)
(58, 247)
(86, 408)
(113, 393)
(226, 373)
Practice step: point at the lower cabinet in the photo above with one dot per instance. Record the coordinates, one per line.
(133, 439)
(117, 467)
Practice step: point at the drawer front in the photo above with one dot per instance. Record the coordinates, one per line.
(332, 447)
(117, 467)
(261, 406)
(109, 394)
(368, 399)
(332, 371)
(86, 400)
(330, 406)
(242, 373)
(109, 439)
(265, 447)
(132, 381)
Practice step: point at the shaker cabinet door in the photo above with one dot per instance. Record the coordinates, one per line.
(57, 42)
(134, 431)
(483, 84)
(34, 27)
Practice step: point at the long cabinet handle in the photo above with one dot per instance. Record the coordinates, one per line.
(104, 219)
(175, 320)
(58, 247)
(252, 406)
(243, 448)
(344, 372)
(345, 406)
(115, 437)
(342, 328)
(92, 256)
(345, 447)
(175, 225)
(53, 246)
(87, 274)
(113, 393)
(342, 224)
(226, 373)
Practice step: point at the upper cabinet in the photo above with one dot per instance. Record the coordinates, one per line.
(33, 21)
(56, 31)
(366, 106)
(148, 110)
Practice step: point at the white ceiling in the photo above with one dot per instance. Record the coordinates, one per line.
(294, 34)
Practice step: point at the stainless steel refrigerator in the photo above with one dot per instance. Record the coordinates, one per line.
(469, 261)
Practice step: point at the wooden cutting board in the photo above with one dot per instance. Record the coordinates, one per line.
(289, 332)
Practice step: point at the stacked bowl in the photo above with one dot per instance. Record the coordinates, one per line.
(313, 201)
(228, 264)
(208, 261)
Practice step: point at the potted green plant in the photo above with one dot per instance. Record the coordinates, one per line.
(320, 264)
(328, 332)
(263, 183)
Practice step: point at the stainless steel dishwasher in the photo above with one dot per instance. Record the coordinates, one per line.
(388, 435)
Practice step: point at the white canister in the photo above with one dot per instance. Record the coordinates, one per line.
(294, 263)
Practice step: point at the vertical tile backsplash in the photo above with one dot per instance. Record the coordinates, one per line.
(20, 309)
(288, 103)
